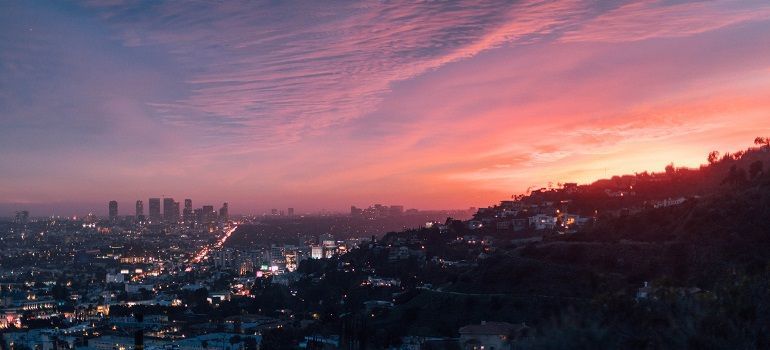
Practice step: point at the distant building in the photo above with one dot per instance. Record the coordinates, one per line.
(327, 240)
(155, 209)
(168, 209)
(224, 212)
(644, 292)
(22, 217)
(209, 215)
(114, 278)
(475, 224)
(491, 335)
(113, 209)
(291, 211)
(543, 222)
(316, 252)
(176, 212)
(139, 210)
(274, 212)
(187, 213)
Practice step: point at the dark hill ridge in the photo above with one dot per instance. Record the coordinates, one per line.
(705, 262)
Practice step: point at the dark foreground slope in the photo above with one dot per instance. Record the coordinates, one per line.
(706, 263)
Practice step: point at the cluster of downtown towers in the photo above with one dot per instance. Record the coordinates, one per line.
(171, 212)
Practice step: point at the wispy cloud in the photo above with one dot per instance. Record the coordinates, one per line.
(646, 19)
(273, 72)
(268, 74)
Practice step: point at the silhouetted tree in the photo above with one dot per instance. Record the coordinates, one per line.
(670, 170)
(713, 157)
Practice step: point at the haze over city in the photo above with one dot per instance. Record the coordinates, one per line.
(319, 105)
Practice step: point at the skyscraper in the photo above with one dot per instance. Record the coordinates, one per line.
(155, 210)
(175, 213)
(113, 209)
(209, 215)
(168, 209)
(187, 213)
(139, 210)
(224, 212)
(291, 212)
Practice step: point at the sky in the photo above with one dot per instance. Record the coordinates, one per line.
(326, 104)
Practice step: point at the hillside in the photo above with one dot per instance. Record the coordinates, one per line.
(705, 262)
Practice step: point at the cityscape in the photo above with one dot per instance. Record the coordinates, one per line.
(384, 175)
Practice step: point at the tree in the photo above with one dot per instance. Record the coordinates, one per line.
(759, 141)
(670, 169)
(713, 157)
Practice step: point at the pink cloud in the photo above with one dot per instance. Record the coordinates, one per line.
(641, 20)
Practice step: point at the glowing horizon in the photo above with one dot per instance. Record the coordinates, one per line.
(429, 105)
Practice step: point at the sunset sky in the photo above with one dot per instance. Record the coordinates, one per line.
(325, 104)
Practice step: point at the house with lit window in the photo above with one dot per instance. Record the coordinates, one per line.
(542, 222)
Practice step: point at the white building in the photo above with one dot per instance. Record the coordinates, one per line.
(542, 222)
(115, 278)
(316, 252)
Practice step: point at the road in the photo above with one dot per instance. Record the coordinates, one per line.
(204, 252)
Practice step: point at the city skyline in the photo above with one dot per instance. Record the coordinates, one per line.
(169, 207)
(319, 106)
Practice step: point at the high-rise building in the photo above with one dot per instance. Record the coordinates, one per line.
(139, 210)
(113, 209)
(224, 212)
(187, 213)
(291, 211)
(176, 212)
(274, 212)
(168, 209)
(155, 210)
(209, 215)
